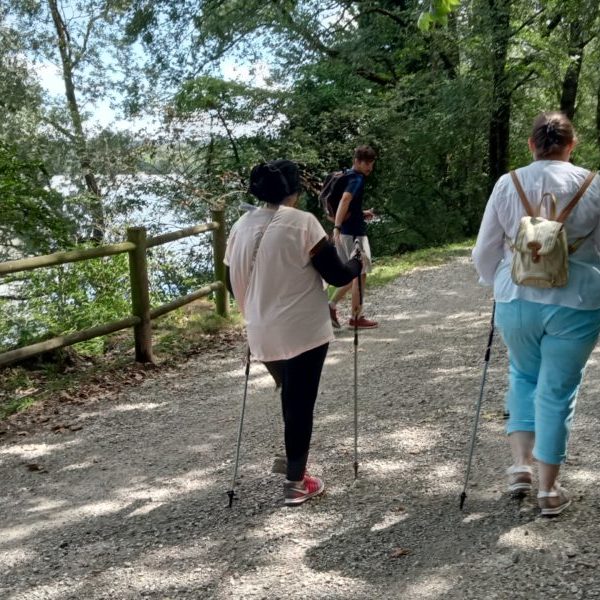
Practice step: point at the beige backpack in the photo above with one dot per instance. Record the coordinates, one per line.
(540, 250)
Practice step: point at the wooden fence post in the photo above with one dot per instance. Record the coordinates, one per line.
(219, 243)
(140, 295)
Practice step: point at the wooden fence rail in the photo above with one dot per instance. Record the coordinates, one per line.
(136, 246)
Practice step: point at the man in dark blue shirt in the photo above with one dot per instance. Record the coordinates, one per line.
(350, 225)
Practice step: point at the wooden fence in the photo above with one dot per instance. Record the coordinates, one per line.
(142, 314)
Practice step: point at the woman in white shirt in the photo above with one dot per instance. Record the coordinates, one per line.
(550, 333)
(277, 258)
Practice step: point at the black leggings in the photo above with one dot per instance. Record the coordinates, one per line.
(300, 378)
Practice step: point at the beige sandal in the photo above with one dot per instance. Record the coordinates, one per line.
(554, 502)
(520, 478)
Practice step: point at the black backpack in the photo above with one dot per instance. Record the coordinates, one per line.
(332, 192)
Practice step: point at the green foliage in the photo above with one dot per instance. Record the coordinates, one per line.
(69, 298)
(33, 219)
(437, 13)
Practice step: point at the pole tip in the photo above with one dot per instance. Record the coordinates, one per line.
(355, 470)
(231, 495)
(463, 497)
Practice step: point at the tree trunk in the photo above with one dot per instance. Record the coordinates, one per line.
(64, 47)
(499, 130)
(571, 79)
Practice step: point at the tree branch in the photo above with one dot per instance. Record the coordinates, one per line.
(527, 22)
(86, 38)
(387, 13)
(523, 80)
(59, 128)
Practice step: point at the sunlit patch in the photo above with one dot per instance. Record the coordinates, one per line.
(9, 559)
(332, 418)
(414, 439)
(166, 489)
(48, 591)
(263, 381)
(46, 504)
(332, 359)
(389, 520)
(382, 468)
(526, 538)
(144, 510)
(478, 516)
(452, 371)
(29, 451)
(78, 466)
(68, 515)
(144, 406)
(583, 475)
(200, 448)
(429, 586)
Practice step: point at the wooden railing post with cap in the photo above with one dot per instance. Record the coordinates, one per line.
(140, 294)
(219, 243)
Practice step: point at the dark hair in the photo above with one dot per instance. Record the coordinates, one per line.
(365, 153)
(551, 133)
(274, 181)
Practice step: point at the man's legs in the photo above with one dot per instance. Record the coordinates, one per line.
(337, 297)
(345, 249)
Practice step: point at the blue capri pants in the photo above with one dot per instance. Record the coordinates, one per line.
(548, 347)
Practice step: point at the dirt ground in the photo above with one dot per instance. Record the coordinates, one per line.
(130, 500)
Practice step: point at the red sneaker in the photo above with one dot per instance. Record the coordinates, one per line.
(297, 492)
(333, 317)
(362, 323)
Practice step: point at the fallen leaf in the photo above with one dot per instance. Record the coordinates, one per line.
(397, 552)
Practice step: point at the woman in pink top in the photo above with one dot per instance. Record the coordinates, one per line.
(277, 257)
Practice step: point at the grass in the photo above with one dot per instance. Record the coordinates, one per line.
(388, 268)
(176, 336)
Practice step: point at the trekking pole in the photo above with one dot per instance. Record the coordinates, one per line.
(231, 492)
(356, 315)
(488, 350)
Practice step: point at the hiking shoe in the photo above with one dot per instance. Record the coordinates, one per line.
(519, 479)
(554, 502)
(297, 492)
(333, 317)
(279, 465)
(362, 323)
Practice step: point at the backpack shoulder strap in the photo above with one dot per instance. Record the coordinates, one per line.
(522, 195)
(580, 192)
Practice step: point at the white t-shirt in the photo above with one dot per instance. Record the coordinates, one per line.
(285, 305)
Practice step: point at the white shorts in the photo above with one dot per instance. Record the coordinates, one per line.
(345, 247)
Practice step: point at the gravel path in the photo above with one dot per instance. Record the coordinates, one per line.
(133, 504)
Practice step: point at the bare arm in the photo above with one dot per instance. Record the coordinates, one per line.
(342, 211)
